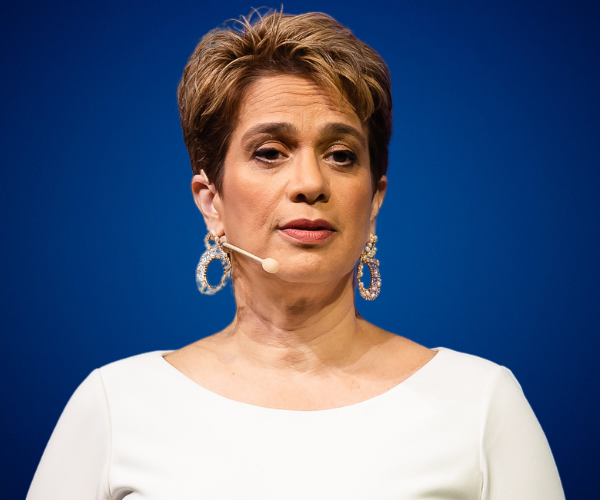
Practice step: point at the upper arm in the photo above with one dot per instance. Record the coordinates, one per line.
(76, 460)
(516, 459)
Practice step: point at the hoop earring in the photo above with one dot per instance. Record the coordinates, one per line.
(213, 252)
(368, 257)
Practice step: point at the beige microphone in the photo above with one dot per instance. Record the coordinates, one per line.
(270, 265)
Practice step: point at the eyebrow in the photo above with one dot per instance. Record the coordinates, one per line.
(277, 128)
(287, 129)
(338, 129)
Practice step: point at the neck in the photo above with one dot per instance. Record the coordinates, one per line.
(306, 328)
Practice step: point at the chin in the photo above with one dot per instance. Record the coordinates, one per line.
(312, 269)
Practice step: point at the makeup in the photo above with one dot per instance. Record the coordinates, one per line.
(308, 231)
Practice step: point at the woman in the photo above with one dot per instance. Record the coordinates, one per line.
(287, 122)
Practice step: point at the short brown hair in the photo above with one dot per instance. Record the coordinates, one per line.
(314, 45)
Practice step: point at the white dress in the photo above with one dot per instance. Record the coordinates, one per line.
(459, 428)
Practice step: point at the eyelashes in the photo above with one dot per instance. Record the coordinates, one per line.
(339, 157)
(268, 155)
(343, 157)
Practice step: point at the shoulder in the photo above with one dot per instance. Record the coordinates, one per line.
(139, 363)
(144, 361)
(137, 373)
(462, 364)
(462, 377)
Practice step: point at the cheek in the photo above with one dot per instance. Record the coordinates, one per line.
(356, 205)
(247, 205)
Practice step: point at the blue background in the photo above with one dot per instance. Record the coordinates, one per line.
(489, 237)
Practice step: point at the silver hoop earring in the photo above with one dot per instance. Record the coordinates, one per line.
(368, 257)
(213, 252)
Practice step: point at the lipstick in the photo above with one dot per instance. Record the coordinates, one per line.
(308, 231)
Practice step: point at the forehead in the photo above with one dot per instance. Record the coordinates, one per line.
(293, 98)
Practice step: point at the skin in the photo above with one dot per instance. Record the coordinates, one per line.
(296, 341)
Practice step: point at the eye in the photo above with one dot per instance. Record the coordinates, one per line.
(343, 157)
(268, 155)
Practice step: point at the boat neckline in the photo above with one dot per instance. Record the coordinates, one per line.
(360, 404)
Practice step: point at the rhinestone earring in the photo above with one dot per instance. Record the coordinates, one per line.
(368, 257)
(213, 252)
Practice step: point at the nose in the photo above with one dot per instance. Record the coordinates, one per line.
(307, 183)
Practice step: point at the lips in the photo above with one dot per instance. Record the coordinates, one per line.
(308, 231)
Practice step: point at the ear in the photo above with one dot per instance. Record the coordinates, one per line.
(378, 200)
(206, 197)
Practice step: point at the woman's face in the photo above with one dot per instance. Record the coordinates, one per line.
(297, 184)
